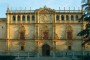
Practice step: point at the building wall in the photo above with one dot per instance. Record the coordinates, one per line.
(3, 42)
(3, 29)
(34, 31)
(15, 34)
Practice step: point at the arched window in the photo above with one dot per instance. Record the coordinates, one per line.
(28, 18)
(18, 18)
(76, 17)
(23, 18)
(14, 18)
(62, 17)
(67, 17)
(72, 17)
(33, 17)
(57, 17)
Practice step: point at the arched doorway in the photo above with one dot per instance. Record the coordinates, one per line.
(45, 50)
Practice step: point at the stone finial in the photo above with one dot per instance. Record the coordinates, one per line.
(30, 9)
(20, 9)
(59, 8)
(16, 10)
(74, 8)
(64, 8)
(45, 6)
(78, 8)
(25, 8)
(8, 9)
(69, 8)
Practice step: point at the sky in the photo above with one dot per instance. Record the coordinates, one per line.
(36, 4)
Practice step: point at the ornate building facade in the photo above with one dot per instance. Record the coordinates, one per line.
(42, 32)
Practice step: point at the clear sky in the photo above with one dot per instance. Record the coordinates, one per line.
(35, 4)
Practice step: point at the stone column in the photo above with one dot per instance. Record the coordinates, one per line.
(30, 18)
(54, 48)
(55, 17)
(73, 55)
(28, 54)
(74, 18)
(25, 18)
(11, 18)
(18, 54)
(63, 54)
(35, 28)
(16, 18)
(38, 31)
(65, 18)
(35, 18)
(69, 18)
(38, 18)
(8, 43)
(60, 18)
(21, 19)
(53, 31)
(37, 45)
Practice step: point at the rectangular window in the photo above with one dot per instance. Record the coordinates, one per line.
(69, 47)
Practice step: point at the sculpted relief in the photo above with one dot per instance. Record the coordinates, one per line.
(45, 18)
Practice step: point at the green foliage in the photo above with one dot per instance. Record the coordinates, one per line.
(7, 57)
(86, 17)
(85, 57)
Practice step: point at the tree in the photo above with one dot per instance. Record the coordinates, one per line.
(85, 18)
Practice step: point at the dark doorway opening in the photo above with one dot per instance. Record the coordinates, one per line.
(45, 50)
(22, 48)
(69, 47)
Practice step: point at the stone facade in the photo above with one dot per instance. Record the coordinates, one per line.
(41, 32)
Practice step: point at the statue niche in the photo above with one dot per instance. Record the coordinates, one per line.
(22, 32)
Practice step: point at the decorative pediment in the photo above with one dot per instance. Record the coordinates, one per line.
(45, 10)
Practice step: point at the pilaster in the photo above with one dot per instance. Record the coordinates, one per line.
(11, 19)
(69, 18)
(21, 19)
(16, 18)
(25, 18)
(30, 18)
(65, 18)
(60, 18)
